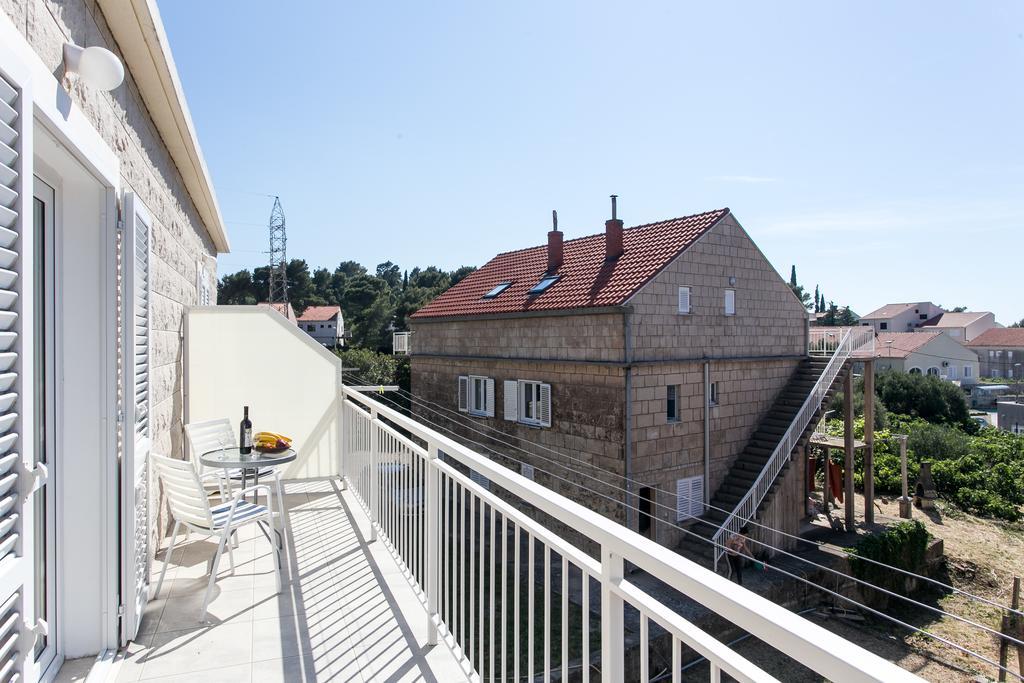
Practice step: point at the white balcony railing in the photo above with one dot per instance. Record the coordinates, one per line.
(516, 600)
(839, 343)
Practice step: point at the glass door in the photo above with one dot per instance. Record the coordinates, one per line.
(44, 501)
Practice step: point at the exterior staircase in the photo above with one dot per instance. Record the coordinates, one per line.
(748, 466)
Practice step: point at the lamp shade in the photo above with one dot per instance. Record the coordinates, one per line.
(98, 66)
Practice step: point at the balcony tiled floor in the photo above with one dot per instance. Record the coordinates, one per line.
(346, 612)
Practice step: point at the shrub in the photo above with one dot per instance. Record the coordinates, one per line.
(901, 545)
(924, 396)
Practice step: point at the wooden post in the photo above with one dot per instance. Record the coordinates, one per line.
(1009, 628)
(869, 442)
(826, 494)
(849, 447)
(905, 506)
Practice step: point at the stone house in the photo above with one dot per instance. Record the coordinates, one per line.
(901, 317)
(646, 354)
(963, 326)
(926, 352)
(1000, 352)
(110, 231)
(324, 324)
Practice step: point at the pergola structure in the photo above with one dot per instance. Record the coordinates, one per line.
(850, 446)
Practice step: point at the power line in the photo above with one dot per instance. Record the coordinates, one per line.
(774, 568)
(707, 505)
(767, 545)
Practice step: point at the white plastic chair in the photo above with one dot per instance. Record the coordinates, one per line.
(190, 508)
(212, 435)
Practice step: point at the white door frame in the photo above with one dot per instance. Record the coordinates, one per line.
(52, 112)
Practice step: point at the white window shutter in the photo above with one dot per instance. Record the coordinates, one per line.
(17, 379)
(137, 348)
(545, 405)
(689, 498)
(511, 399)
(489, 404)
(463, 394)
(684, 299)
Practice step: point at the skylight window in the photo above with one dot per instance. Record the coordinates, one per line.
(545, 282)
(501, 287)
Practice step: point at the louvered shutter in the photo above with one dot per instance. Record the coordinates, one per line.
(689, 498)
(511, 399)
(17, 381)
(544, 409)
(203, 294)
(463, 394)
(489, 404)
(137, 324)
(684, 299)
(730, 302)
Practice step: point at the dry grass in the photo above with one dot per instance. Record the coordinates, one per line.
(982, 558)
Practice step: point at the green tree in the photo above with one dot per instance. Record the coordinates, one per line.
(237, 288)
(924, 396)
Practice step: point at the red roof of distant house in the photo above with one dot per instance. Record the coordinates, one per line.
(319, 314)
(284, 309)
(587, 280)
(1006, 337)
(901, 344)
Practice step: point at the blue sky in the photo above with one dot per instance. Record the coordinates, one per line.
(876, 145)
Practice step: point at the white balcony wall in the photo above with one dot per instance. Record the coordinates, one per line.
(249, 356)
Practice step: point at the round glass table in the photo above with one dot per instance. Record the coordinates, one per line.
(247, 464)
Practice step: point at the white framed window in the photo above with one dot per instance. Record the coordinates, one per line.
(951, 372)
(713, 393)
(1009, 373)
(967, 371)
(995, 372)
(526, 470)
(991, 354)
(684, 300)
(672, 403)
(534, 403)
(730, 302)
(689, 498)
(476, 395)
(1009, 355)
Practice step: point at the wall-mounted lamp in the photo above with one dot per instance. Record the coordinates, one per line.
(98, 66)
(732, 280)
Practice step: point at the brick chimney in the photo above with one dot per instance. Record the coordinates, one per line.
(554, 245)
(613, 235)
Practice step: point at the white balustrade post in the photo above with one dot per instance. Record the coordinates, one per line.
(433, 494)
(374, 475)
(612, 618)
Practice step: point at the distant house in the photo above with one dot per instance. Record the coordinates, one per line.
(963, 327)
(901, 317)
(284, 309)
(1010, 416)
(1001, 352)
(927, 353)
(324, 324)
(655, 352)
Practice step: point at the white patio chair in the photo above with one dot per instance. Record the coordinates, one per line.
(212, 435)
(190, 508)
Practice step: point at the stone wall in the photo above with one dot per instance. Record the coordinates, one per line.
(587, 422)
(769, 320)
(590, 336)
(180, 241)
(665, 451)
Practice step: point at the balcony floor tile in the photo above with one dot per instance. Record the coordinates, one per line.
(346, 612)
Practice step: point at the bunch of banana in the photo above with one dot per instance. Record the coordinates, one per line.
(269, 441)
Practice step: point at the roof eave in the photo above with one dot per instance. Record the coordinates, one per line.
(543, 313)
(139, 32)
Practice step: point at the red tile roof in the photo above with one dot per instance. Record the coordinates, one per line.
(888, 311)
(587, 280)
(902, 344)
(1005, 337)
(284, 309)
(319, 314)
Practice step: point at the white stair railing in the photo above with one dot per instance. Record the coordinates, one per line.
(840, 344)
(495, 583)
